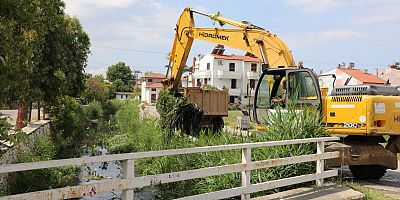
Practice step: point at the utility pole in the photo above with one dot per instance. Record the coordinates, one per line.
(136, 72)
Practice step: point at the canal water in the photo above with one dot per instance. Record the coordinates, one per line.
(108, 170)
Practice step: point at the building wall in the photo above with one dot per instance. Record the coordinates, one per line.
(392, 74)
(9, 155)
(221, 66)
(147, 92)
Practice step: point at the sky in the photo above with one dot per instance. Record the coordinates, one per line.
(321, 33)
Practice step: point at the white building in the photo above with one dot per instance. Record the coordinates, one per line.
(123, 95)
(232, 72)
(151, 87)
(186, 81)
(391, 74)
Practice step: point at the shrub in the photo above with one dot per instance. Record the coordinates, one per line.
(69, 127)
(111, 107)
(177, 113)
(94, 110)
(234, 106)
(285, 125)
(127, 124)
(42, 179)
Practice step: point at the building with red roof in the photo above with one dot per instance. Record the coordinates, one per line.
(391, 74)
(349, 76)
(151, 87)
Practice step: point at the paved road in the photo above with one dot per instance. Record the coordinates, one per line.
(151, 111)
(390, 183)
(11, 115)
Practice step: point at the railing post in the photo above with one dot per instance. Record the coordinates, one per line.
(246, 158)
(128, 171)
(320, 163)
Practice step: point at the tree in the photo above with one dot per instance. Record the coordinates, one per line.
(119, 86)
(43, 52)
(96, 89)
(122, 72)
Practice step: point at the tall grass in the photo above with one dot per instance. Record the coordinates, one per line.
(290, 124)
(42, 179)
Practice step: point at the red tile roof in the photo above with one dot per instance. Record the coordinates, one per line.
(153, 75)
(236, 57)
(362, 76)
(154, 85)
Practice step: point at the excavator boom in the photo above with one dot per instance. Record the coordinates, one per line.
(244, 36)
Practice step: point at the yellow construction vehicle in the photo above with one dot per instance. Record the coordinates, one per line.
(364, 115)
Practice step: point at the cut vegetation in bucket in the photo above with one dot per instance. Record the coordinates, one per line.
(177, 113)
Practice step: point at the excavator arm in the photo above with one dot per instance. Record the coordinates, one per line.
(265, 45)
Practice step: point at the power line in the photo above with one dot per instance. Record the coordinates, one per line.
(131, 50)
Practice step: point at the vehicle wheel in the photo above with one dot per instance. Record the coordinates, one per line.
(363, 172)
(218, 124)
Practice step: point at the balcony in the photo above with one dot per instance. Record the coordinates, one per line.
(202, 74)
(253, 75)
(252, 92)
(234, 92)
(228, 74)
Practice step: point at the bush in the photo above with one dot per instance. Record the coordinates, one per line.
(70, 126)
(285, 125)
(127, 126)
(42, 179)
(111, 107)
(234, 106)
(94, 110)
(177, 113)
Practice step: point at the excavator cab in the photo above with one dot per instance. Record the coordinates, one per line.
(283, 87)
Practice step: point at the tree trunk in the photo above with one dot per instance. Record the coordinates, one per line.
(30, 112)
(38, 111)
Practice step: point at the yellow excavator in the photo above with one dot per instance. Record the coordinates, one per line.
(367, 117)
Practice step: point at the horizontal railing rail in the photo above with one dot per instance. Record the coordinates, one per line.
(129, 182)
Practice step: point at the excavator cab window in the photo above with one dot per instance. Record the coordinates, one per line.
(279, 87)
(303, 88)
(269, 93)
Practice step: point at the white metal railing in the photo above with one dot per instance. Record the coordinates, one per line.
(202, 74)
(229, 74)
(253, 75)
(234, 91)
(129, 181)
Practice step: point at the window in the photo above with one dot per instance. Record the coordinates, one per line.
(149, 80)
(232, 67)
(208, 66)
(231, 99)
(301, 86)
(153, 89)
(153, 98)
(205, 81)
(198, 83)
(220, 62)
(254, 67)
(252, 83)
(233, 83)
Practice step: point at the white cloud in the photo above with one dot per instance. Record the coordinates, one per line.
(151, 24)
(383, 12)
(326, 36)
(343, 34)
(314, 6)
(112, 3)
(85, 7)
